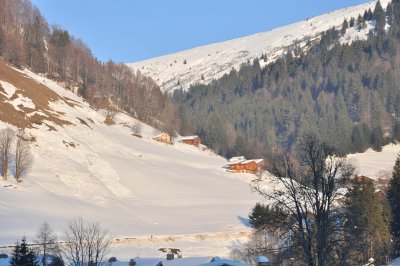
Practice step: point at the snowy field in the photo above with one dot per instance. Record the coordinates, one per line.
(148, 194)
(137, 188)
(376, 164)
(205, 63)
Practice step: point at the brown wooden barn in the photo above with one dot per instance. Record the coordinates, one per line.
(163, 137)
(246, 166)
(363, 179)
(191, 140)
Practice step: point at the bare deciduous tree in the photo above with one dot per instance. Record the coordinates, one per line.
(260, 243)
(308, 192)
(23, 158)
(47, 241)
(86, 243)
(6, 137)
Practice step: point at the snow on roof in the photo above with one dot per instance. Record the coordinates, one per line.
(159, 135)
(188, 137)
(257, 161)
(342, 191)
(224, 262)
(189, 261)
(236, 162)
(236, 158)
(148, 262)
(242, 160)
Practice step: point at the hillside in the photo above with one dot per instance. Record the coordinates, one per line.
(341, 89)
(83, 167)
(150, 194)
(205, 63)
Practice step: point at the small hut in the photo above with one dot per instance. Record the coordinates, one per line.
(191, 140)
(241, 165)
(163, 137)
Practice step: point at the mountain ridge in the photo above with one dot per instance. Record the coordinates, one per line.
(204, 63)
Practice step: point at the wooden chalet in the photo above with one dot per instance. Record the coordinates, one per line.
(246, 166)
(163, 137)
(363, 179)
(191, 140)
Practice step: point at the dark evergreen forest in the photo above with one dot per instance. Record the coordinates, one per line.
(347, 94)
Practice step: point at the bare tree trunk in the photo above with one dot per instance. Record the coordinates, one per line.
(6, 137)
(47, 241)
(23, 158)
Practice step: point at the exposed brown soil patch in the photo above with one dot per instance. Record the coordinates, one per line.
(40, 95)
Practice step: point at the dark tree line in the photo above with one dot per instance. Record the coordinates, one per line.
(348, 94)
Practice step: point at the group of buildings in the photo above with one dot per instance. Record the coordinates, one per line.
(235, 164)
(191, 140)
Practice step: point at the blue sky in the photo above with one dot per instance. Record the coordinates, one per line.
(133, 30)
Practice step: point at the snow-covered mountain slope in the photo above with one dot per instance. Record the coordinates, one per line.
(148, 194)
(205, 63)
(83, 167)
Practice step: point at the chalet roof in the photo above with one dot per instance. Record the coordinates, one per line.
(148, 262)
(364, 179)
(188, 137)
(236, 158)
(257, 161)
(244, 161)
(159, 135)
(224, 262)
(236, 162)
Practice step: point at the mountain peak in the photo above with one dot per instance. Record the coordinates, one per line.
(205, 63)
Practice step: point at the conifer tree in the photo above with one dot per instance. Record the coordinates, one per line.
(264, 216)
(16, 258)
(23, 255)
(352, 22)
(344, 27)
(367, 220)
(394, 201)
(380, 17)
